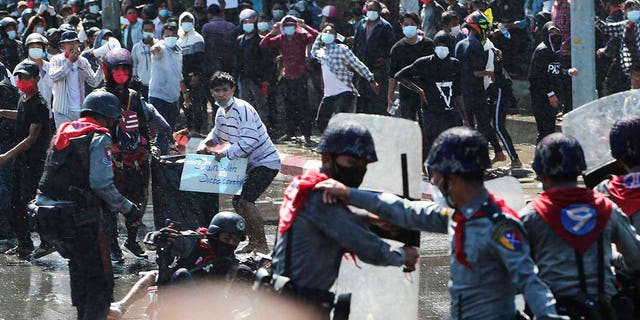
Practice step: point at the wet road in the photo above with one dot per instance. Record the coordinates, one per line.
(40, 290)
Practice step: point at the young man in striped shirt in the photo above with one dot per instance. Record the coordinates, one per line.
(238, 124)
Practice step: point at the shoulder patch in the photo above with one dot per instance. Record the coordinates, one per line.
(508, 235)
(579, 219)
(106, 159)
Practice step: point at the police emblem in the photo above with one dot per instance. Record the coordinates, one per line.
(107, 155)
(240, 225)
(579, 219)
(507, 236)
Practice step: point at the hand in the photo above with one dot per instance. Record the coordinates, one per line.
(423, 97)
(553, 101)
(600, 52)
(187, 100)
(465, 122)
(202, 149)
(218, 155)
(374, 87)
(276, 28)
(155, 151)
(411, 256)
(301, 23)
(155, 49)
(573, 72)
(491, 75)
(116, 311)
(334, 191)
(74, 55)
(392, 99)
(165, 236)
(498, 55)
(223, 4)
(349, 40)
(134, 216)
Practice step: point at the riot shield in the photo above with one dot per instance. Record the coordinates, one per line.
(387, 292)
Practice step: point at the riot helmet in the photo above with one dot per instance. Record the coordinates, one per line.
(558, 155)
(103, 103)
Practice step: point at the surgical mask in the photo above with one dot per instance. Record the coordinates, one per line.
(277, 14)
(120, 76)
(442, 52)
(372, 15)
(187, 26)
(164, 13)
(556, 42)
(263, 26)
(221, 249)
(146, 35)
(546, 6)
(289, 30)
(248, 27)
(438, 198)
(36, 53)
(410, 31)
(350, 176)
(226, 105)
(40, 30)
(170, 41)
(633, 16)
(12, 34)
(327, 38)
(455, 31)
(94, 9)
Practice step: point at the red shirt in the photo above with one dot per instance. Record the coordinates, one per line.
(293, 50)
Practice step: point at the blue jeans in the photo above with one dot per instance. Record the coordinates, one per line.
(168, 110)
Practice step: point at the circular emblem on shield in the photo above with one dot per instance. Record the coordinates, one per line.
(579, 219)
(240, 225)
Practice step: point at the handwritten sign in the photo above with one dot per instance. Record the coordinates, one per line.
(202, 173)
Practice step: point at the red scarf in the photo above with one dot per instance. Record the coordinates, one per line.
(204, 245)
(460, 220)
(295, 197)
(76, 129)
(552, 205)
(625, 192)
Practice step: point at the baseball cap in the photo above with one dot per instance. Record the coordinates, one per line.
(27, 68)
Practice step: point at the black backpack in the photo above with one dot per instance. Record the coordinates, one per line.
(10, 97)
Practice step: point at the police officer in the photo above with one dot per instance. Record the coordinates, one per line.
(490, 259)
(313, 236)
(437, 82)
(571, 229)
(77, 179)
(208, 252)
(132, 142)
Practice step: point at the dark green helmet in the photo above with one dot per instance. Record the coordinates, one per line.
(103, 103)
(348, 138)
(227, 222)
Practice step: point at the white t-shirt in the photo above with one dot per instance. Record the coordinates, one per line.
(332, 85)
(74, 89)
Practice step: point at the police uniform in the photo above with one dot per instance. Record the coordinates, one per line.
(571, 229)
(78, 177)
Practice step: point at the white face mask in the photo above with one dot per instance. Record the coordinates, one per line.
(410, 31)
(94, 9)
(187, 26)
(226, 105)
(327, 38)
(12, 34)
(455, 31)
(263, 26)
(170, 41)
(146, 35)
(36, 53)
(442, 52)
(372, 15)
(247, 27)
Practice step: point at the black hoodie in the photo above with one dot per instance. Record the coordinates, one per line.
(545, 71)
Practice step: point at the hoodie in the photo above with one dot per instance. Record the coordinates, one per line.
(192, 44)
(545, 70)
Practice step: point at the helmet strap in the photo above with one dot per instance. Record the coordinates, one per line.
(445, 191)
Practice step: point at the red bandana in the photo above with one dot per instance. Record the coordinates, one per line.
(577, 215)
(76, 129)
(295, 197)
(625, 192)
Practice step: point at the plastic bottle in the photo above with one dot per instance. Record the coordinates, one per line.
(504, 30)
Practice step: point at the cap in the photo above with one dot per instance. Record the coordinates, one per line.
(69, 36)
(27, 68)
(329, 11)
(22, 4)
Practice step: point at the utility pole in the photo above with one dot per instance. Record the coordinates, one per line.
(111, 16)
(583, 51)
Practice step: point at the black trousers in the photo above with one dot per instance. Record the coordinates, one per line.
(544, 114)
(91, 274)
(295, 95)
(500, 102)
(616, 80)
(370, 102)
(343, 102)
(133, 184)
(479, 105)
(436, 123)
(24, 183)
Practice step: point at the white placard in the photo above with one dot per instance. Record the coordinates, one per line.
(231, 4)
(202, 173)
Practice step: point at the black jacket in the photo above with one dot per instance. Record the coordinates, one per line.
(377, 46)
(545, 70)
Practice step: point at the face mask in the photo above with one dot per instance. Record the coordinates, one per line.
(248, 27)
(132, 18)
(350, 176)
(12, 34)
(164, 13)
(170, 41)
(120, 77)
(438, 198)
(25, 86)
(289, 30)
(633, 16)
(40, 30)
(187, 26)
(94, 9)
(226, 105)
(442, 52)
(146, 35)
(556, 42)
(327, 38)
(35, 53)
(372, 15)
(222, 249)
(277, 14)
(410, 31)
(455, 31)
(546, 6)
(15, 14)
(263, 26)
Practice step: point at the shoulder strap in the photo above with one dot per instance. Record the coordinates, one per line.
(580, 264)
(287, 253)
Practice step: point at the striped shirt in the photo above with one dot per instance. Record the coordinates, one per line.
(60, 69)
(241, 126)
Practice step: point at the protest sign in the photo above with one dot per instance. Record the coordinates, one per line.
(202, 173)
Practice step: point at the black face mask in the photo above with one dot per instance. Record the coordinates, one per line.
(222, 249)
(556, 42)
(350, 176)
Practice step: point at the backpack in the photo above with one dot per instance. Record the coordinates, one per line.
(130, 145)
(10, 97)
